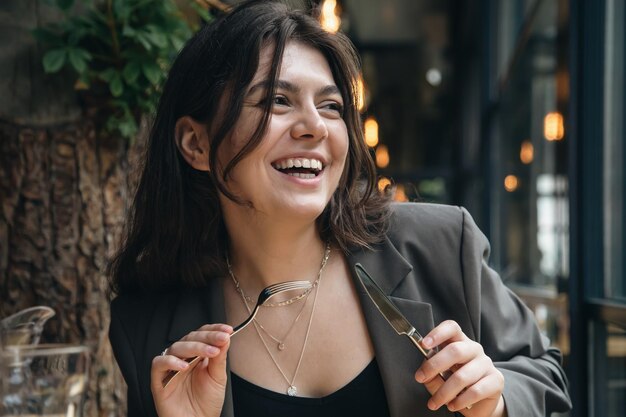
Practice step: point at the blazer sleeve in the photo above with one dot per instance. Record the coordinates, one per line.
(535, 384)
(122, 342)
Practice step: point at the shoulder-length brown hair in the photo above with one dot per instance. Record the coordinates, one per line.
(175, 235)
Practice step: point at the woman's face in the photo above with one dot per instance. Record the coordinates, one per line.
(297, 166)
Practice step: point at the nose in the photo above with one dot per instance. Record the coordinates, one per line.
(309, 125)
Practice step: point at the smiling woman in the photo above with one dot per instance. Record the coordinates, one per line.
(257, 174)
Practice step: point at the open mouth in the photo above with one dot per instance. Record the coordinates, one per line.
(299, 167)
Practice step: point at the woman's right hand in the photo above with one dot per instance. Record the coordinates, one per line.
(194, 392)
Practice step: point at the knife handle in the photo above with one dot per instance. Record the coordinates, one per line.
(416, 338)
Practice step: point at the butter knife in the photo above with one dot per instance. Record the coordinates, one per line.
(391, 313)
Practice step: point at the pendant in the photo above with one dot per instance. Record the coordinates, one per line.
(292, 391)
(281, 346)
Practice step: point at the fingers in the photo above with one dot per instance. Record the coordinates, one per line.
(490, 386)
(449, 358)
(447, 331)
(205, 342)
(209, 341)
(470, 377)
(473, 379)
(217, 365)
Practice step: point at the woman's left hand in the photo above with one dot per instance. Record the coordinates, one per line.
(475, 381)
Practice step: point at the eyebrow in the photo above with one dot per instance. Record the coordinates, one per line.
(293, 88)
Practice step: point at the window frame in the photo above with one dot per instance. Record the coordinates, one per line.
(590, 309)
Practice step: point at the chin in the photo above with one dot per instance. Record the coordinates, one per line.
(309, 212)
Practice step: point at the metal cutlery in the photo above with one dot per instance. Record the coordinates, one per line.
(264, 296)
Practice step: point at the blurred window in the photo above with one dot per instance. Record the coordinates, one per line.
(529, 219)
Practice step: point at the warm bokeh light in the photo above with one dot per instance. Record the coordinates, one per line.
(553, 127)
(329, 19)
(400, 194)
(371, 132)
(383, 183)
(360, 93)
(527, 152)
(382, 156)
(511, 183)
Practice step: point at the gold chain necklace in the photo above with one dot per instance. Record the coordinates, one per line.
(291, 389)
(292, 300)
(280, 344)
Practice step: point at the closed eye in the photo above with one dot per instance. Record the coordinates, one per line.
(333, 106)
(275, 101)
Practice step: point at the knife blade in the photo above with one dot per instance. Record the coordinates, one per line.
(393, 316)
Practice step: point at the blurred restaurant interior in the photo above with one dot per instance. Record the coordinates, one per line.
(515, 110)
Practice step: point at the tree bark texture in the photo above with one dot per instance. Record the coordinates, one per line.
(64, 195)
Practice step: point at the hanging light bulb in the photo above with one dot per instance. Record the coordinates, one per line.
(329, 19)
(553, 128)
(371, 132)
(383, 183)
(382, 156)
(527, 152)
(511, 182)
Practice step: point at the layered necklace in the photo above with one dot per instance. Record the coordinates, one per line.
(291, 388)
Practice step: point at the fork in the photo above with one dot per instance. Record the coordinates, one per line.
(265, 294)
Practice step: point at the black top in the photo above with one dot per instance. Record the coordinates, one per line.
(363, 396)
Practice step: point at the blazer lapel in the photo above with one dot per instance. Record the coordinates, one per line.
(397, 357)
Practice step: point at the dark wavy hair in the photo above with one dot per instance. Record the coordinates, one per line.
(175, 235)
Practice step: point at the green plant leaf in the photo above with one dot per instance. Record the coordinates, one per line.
(128, 31)
(157, 39)
(108, 74)
(202, 12)
(79, 58)
(152, 72)
(156, 36)
(131, 72)
(54, 59)
(143, 38)
(116, 86)
(177, 42)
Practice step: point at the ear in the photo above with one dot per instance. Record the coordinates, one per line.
(192, 141)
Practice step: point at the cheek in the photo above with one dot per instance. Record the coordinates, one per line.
(341, 146)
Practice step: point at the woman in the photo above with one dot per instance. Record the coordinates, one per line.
(257, 173)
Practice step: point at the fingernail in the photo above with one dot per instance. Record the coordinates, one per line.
(420, 376)
(427, 342)
(222, 337)
(211, 350)
(183, 364)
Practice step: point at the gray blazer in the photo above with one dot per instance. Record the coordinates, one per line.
(433, 264)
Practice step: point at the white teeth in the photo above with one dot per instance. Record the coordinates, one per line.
(301, 175)
(299, 163)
